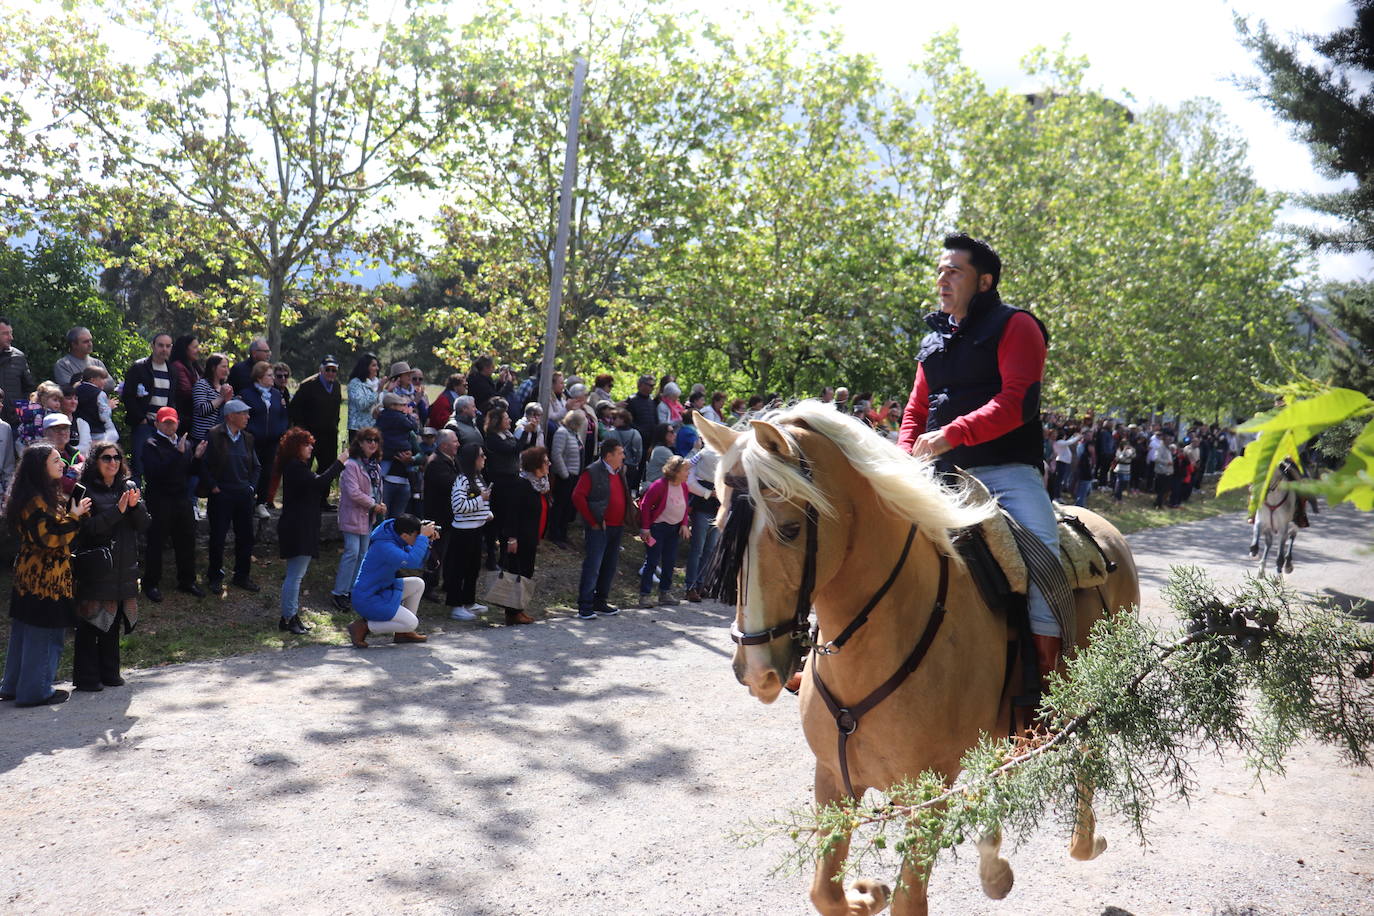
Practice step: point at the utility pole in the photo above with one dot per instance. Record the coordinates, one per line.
(560, 250)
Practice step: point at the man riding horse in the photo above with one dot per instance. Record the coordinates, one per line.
(975, 403)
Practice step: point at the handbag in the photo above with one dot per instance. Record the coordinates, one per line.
(92, 563)
(510, 590)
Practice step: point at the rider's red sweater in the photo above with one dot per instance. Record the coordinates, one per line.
(1020, 360)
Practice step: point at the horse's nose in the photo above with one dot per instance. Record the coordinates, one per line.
(755, 670)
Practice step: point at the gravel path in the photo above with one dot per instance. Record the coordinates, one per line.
(582, 768)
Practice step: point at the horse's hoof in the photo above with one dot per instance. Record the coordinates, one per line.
(997, 878)
(1254, 551)
(1099, 847)
(867, 896)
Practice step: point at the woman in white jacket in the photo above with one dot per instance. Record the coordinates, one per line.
(567, 465)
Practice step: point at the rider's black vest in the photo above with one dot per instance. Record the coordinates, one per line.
(962, 375)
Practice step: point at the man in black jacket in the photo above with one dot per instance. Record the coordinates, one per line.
(15, 378)
(166, 465)
(643, 417)
(147, 389)
(315, 407)
(480, 386)
(241, 373)
(229, 471)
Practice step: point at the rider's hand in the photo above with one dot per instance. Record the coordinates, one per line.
(930, 445)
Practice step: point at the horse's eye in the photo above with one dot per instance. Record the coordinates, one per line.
(788, 532)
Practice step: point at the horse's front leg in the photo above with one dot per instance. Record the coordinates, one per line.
(1085, 845)
(993, 871)
(862, 898)
(910, 899)
(1254, 537)
(1288, 554)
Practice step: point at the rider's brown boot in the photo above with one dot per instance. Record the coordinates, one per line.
(1048, 656)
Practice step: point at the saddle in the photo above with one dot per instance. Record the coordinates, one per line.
(1003, 559)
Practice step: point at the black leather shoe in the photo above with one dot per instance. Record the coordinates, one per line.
(154, 594)
(248, 585)
(293, 625)
(115, 681)
(88, 688)
(57, 696)
(341, 602)
(193, 590)
(215, 586)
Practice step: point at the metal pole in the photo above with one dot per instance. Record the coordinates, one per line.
(560, 249)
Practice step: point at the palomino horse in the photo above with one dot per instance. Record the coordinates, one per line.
(1275, 517)
(844, 522)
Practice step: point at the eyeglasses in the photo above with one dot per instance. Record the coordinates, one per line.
(331, 368)
(110, 457)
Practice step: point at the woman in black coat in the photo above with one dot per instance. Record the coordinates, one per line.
(522, 510)
(503, 469)
(107, 595)
(298, 529)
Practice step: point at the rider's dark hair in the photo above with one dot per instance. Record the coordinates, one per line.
(980, 255)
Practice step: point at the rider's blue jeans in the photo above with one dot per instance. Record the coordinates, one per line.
(1021, 491)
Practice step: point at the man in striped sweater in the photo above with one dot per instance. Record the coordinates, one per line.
(147, 389)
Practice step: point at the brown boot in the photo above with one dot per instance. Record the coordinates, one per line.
(412, 636)
(515, 618)
(357, 632)
(1048, 656)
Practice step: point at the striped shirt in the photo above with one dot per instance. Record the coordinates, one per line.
(207, 415)
(161, 395)
(469, 511)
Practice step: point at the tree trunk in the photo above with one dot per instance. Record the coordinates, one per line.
(276, 299)
(765, 366)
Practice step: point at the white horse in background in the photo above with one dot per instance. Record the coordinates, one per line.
(1274, 518)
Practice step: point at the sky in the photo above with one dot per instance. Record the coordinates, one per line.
(1162, 51)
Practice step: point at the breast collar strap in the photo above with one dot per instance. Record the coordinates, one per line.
(847, 717)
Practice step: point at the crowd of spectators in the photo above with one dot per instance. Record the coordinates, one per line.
(427, 495)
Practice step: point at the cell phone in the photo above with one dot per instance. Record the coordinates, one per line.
(78, 493)
(130, 484)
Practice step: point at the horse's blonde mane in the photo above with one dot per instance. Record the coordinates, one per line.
(907, 485)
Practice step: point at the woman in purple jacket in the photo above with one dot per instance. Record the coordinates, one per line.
(360, 504)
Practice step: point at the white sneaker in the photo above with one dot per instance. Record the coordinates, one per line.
(262, 512)
(477, 608)
(462, 613)
(199, 512)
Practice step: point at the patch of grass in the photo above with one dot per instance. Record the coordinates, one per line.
(183, 629)
(1136, 511)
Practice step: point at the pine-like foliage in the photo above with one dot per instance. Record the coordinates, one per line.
(1331, 104)
(1252, 671)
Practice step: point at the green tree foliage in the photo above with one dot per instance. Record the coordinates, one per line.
(50, 289)
(1330, 103)
(267, 138)
(1352, 361)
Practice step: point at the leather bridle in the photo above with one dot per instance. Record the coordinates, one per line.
(804, 639)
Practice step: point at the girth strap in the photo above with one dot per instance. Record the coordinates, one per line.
(847, 717)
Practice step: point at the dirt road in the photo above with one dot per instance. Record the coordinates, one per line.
(582, 768)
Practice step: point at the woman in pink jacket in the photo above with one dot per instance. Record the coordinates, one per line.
(663, 520)
(360, 503)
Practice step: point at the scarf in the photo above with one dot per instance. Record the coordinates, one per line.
(540, 484)
(373, 467)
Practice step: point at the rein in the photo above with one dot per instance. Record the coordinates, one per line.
(727, 567)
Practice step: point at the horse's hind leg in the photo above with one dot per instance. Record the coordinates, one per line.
(1254, 538)
(1085, 844)
(910, 899)
(1288, 554)
(993, 871)
(862, 898)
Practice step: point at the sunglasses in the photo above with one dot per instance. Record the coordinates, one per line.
(331, 368)
(110, 457)
(370, 439)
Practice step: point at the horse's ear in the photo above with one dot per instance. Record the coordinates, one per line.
(773, 438)
(718, 436)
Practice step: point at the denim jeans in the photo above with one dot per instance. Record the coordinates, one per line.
(1080, 496)
(355, 547)
(663, 552)
(598, 567)
(291, 585)
(396, 496)
(704, 537)
(1019, 490)
(31, 662)
(1123, 483)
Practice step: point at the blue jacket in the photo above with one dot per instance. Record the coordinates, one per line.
(377, 591)
(267, 421)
